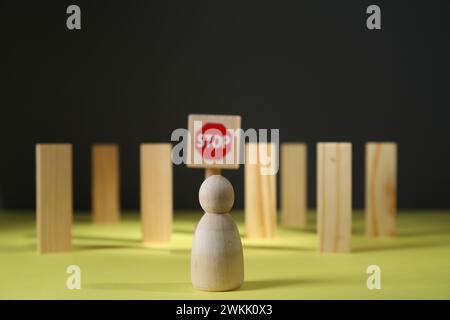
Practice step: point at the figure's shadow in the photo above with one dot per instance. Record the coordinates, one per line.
(276, 248)
(143, 287)
(187, 287)
(424, 233)
(95, 238)
(275, 283)
(401, 246)
(80, 247)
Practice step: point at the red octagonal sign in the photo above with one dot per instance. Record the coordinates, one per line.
(213, 141)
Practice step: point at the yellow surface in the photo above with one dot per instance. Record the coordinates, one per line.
(114, 264)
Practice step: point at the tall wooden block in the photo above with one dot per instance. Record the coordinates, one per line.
(334, 196)
(105, 183)
(381, 189)
(260, 190)
(54, 197)
(156, 192)
(293, 185)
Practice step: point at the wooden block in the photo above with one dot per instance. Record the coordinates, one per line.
(156, 192)
(260, 192)
(381, 189)
(54, 197)
(214, 141)
(334, 196)
(105, 183)
(293, 185)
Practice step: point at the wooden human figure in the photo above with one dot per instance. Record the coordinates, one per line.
(217, 262)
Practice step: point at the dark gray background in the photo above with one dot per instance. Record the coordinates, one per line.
(309, 68)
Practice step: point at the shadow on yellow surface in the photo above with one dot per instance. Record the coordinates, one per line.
(115, 264)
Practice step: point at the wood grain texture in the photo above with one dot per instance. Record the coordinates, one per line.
(293, 185)
(156, 192)
(105, 184)
(260, 192)
(334, 196)
(217, 261)
(381, 189)
(54, 197)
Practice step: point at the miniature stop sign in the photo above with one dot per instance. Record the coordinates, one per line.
(213, 141)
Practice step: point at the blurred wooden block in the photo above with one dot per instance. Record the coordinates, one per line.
(54, 197)
(334, 196)
(381, 189)
(156, 192)
(293, 185)
(260, 191)
(105, 183)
